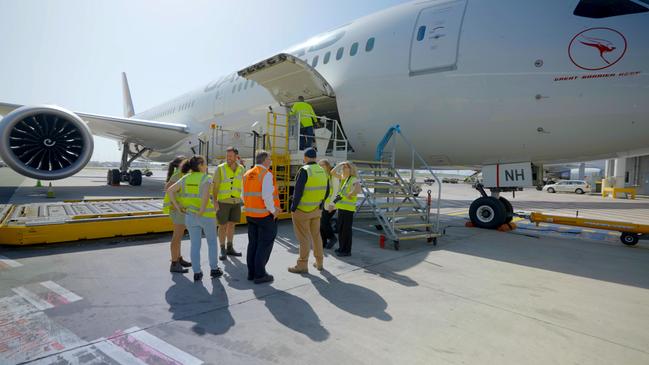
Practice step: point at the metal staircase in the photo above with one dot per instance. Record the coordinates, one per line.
(392, 200)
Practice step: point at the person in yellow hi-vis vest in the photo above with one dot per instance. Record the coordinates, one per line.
(228, 186)
(200, 213)
(346, 205)
(306, 115)
(311, 189)
(178, 264)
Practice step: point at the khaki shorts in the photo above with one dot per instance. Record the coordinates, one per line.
(228, 212)
(177, 217)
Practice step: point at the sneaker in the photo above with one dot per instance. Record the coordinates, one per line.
(184, 263)
(216, 273)
(224, 254)
(264, 279)
(231, 252)
(198, 276)
(177, 267)
(298, 270)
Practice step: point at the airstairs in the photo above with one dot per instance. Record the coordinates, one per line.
(391, 202)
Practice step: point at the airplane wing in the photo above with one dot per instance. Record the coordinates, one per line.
(148, 133)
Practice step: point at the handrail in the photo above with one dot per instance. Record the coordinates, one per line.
(397, 129)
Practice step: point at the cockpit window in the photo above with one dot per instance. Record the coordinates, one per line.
(608, 8)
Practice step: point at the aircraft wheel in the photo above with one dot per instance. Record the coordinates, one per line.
(509, 210)
(113, 178)
(487, 212)
(135, 178)
(629, 239)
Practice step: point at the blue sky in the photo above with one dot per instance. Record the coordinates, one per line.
(72, 53)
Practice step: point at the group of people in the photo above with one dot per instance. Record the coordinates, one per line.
(204, 204)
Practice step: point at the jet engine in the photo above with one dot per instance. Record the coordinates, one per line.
(45, 142)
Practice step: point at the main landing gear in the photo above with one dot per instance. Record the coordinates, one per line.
(123, 174)
(492, 211)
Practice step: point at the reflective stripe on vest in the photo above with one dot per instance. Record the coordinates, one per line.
(315, 188)
(190, 188)
(253, 202)
(345, 203)
(231, 182)
(167, 206)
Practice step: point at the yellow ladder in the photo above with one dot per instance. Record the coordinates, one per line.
(277, 143)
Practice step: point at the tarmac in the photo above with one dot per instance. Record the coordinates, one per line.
(478, 297)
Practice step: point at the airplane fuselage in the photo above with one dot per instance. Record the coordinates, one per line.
(470, 83)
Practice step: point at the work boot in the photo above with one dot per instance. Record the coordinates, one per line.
(297, 269)
(231, 252)
(177, 267)
(216, 273)
(224, 254)
(318, 267)
(198, 276)
(184, 263)
(264, 279)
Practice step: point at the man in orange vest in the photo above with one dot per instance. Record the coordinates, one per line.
(261, 206)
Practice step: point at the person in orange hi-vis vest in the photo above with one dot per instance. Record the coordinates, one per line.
(262, 208)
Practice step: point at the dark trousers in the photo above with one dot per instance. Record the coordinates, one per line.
(261, 236)
(307, 137)
(326, 230)
(345, 221)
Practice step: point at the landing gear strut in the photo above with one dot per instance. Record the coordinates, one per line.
(133, 177)
(491, 211)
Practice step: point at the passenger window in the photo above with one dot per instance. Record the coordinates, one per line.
(327, 56)
(369, 46)
(354, 49)
(607, 8)
(314, 63)
(421, 32)
(339, 53)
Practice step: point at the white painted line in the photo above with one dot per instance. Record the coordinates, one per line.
(167, 349)
(117, 353)
(32, 298)
(9, 262)
(58, 289)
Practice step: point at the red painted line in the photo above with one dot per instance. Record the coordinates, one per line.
(497, 175)
(141, 350)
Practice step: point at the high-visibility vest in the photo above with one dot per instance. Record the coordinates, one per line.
(253, 202)
(330, 197)
(190, 188)
(231, 182)
(305, 113)
(167, 207)
(315, 188)
(345, 203)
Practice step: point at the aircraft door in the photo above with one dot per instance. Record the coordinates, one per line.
(435, 40)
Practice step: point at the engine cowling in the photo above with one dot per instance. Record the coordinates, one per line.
(45, 142)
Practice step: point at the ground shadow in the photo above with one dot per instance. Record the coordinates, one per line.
(191, 301)
(351, 298)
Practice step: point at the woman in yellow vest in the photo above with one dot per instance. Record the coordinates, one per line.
(178, 264)
(195, 188)
(346, 205)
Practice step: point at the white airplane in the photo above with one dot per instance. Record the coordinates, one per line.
(508, 85)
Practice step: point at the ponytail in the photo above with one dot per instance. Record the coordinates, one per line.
(174, 165)
(193, 164)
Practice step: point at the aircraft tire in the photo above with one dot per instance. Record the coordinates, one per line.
(135, 178)
(487, 212)
(509, 209)
(114, 177)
